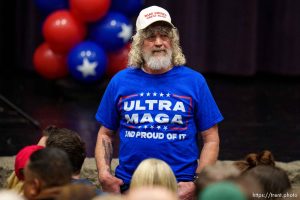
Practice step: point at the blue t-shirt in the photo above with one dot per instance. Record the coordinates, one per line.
(158, 116)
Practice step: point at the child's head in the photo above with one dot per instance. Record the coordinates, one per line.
(154, 172)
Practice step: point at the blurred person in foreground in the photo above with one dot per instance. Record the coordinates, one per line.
(10, 195)
(46, 172)
(16, 180)
(76, 192)
(261, 167)
(150, 193)
(223, 190)
(154, 172)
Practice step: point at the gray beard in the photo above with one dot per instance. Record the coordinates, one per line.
(158, 62)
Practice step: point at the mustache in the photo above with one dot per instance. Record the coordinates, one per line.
(159, 50)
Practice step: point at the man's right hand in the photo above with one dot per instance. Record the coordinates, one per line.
(110, 183)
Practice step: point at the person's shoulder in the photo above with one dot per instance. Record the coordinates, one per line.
(125, 72)
(123, 76)
(191, 73)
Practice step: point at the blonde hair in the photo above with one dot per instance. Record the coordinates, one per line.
(154, 172)
(135, 57)
(151, 193)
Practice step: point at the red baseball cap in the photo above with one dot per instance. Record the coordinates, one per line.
(22, 157)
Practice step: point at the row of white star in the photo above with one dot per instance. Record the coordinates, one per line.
(153, 127)
(148, 94)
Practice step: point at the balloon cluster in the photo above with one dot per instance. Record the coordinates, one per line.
(84, 38)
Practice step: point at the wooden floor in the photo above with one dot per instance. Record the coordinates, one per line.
(261, 112)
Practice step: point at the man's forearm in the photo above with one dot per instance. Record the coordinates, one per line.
(103, 155)
(210, 150)
(103, 151)
(209, 155)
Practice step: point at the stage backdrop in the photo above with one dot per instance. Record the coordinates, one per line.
(227, 37)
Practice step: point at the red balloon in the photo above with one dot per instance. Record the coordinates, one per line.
(49, 64)
(62, 31)
(89, 10)
(117, 61)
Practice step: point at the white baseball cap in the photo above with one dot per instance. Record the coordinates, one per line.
(150, 15)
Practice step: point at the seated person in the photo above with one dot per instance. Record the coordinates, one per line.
(273, 180)
(74, 146)
(254, 159)
(154, 172)
(151, 193)
(47, 170)
(262, 168)
(16, 180)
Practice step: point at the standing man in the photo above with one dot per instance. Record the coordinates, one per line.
(159, 106)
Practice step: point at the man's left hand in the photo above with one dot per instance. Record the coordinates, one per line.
(186, 190)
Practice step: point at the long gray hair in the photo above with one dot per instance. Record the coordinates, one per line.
(135, 58)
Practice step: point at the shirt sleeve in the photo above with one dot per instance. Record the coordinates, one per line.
(207, 111)
(107, 113)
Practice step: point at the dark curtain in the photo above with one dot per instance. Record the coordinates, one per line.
(20, 34)
(226, 37)
(238, 37)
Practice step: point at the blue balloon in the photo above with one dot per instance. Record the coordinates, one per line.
(48, 6)
(128, 7)
(87, 62)
(112, 32)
